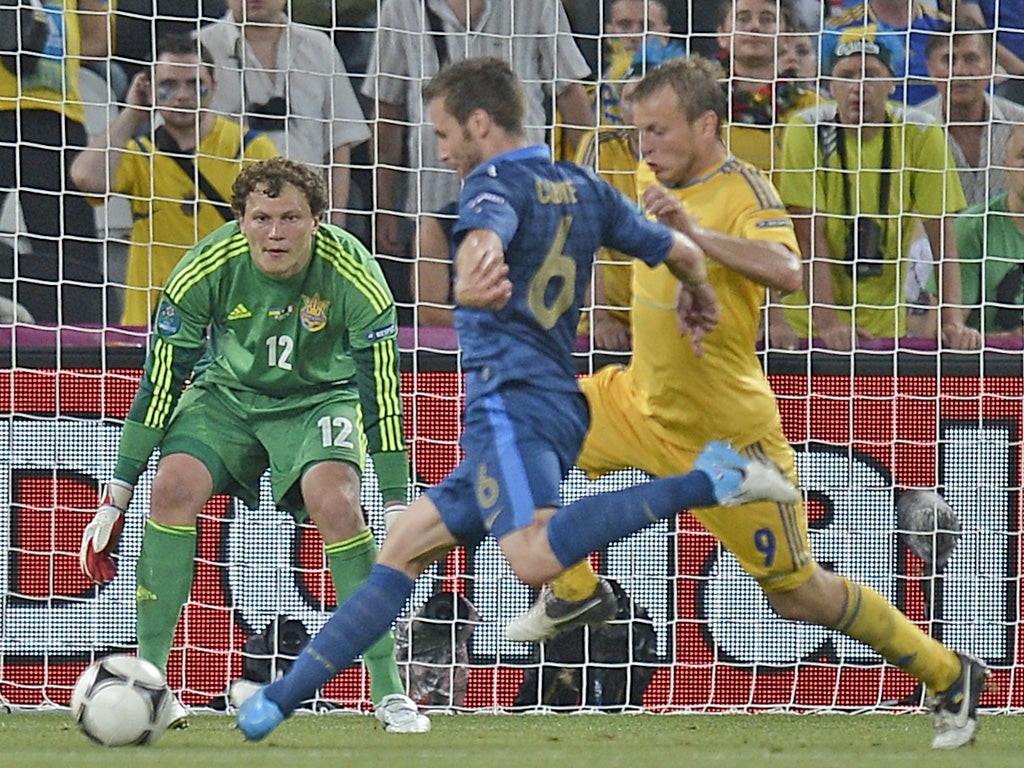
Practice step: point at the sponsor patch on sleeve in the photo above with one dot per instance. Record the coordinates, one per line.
(773, 223)
(485, 197)
(381, 333)
(168, 321)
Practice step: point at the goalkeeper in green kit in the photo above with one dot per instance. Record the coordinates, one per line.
(292, 333)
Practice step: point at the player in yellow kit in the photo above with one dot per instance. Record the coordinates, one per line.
(656, 413)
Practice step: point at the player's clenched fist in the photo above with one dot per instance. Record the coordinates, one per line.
(101, 535)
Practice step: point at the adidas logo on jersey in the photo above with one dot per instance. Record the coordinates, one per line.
(239, 313)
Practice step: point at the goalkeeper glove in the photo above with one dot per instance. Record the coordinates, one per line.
(103, 532)
(393, 511)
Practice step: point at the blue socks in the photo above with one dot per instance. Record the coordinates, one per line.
(353, 628)
(593, 522)
(574, 532)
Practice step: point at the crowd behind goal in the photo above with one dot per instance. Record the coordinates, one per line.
(91, 249)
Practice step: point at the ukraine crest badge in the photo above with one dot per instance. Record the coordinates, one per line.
(314, 312)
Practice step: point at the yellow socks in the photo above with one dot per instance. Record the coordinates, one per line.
(576, 582)
(873, 620)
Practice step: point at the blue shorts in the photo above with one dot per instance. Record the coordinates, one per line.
(519, 444)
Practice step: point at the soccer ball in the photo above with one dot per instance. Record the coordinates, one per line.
(121, 700)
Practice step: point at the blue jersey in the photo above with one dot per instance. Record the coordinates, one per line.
(551, 219)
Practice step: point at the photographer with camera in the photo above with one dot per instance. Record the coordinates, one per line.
(179, 177)
(288, 80)
(857, 173)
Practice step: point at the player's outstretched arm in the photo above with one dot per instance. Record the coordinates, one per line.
(766, 262)
(481, 274)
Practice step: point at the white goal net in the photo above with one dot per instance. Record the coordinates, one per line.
(695, 632)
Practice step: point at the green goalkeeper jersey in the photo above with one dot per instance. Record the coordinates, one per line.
(331, 326)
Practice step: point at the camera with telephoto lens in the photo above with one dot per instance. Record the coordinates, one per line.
(268, 116)
(863, 248)
(272, 652)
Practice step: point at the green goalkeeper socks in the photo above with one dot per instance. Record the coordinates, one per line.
(163, 581)
(350, 562)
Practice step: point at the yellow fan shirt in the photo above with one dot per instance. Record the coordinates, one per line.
(167, 218)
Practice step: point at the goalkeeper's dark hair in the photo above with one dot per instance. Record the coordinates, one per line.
(486, 83)
(268, 177)
(697, 83)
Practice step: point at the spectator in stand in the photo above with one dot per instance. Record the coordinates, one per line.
(849, 167)
(629, 24)
(180, 178)
(42, 129)
(288, 81)
(413, 38)
(629, 27)
(990, 241)
(614, 152)
(760, 102)
(798, 57)
(1006, 18)
(978, 124)
(978, 128)
(904, 26)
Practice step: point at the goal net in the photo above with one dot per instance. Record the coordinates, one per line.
(694, 633)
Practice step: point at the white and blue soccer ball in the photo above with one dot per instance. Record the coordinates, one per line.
(121, 700)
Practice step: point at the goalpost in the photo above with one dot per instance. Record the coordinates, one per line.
(866, 426)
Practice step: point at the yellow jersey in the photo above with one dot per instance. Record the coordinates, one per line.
(923, 183)
(167, 219)
(724, 393)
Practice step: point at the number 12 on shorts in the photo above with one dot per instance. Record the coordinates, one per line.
(335, 431)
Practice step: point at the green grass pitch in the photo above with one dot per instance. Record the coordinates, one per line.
(51, 740)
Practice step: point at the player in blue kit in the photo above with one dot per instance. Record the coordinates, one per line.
(525, 241)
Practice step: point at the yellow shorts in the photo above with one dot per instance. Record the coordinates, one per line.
(769, 540)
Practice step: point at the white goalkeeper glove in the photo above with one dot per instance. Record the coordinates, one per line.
(103, 532)
(392, 512)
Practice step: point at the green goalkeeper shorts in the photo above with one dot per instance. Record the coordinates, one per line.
(239, 435)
